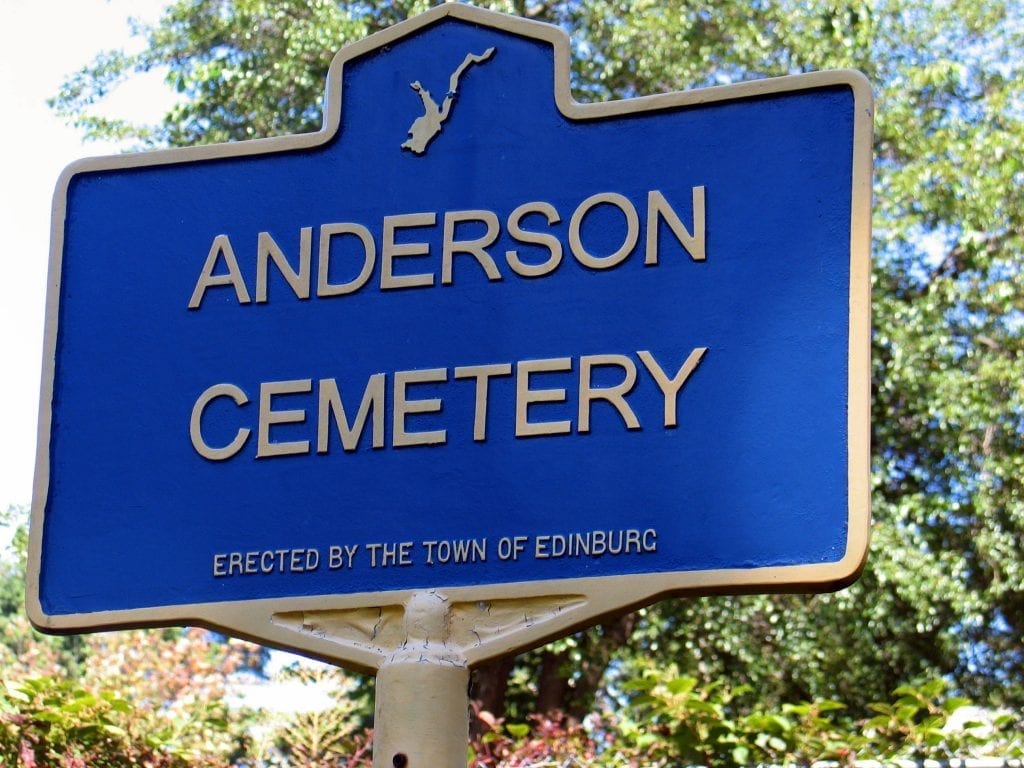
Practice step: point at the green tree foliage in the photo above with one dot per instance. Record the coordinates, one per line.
(12, 562)
(318, 737)
(157, 698)
(684, 722)
(138, 698)
(943, 594)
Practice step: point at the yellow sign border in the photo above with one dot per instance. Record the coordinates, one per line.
(485, 621)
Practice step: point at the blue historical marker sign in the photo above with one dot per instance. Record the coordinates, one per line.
(471, 336)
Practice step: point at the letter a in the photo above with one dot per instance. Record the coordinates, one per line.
(221, 245)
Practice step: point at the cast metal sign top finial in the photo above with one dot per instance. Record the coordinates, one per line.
(428, 125)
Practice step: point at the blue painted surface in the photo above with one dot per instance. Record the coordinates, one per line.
(755, 474)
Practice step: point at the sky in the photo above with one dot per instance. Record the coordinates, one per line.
(42, 41)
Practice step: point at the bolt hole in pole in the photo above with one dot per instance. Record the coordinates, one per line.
(421, 707)
(421, 716)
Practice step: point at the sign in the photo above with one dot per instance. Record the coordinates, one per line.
(473, 336)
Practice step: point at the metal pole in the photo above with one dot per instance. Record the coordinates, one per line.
(421, 716)
(421, 709)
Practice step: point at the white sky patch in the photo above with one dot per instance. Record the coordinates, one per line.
(936, 244)
(283, 696)
(40, 44)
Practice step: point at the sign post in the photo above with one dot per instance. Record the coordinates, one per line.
(470, 368)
